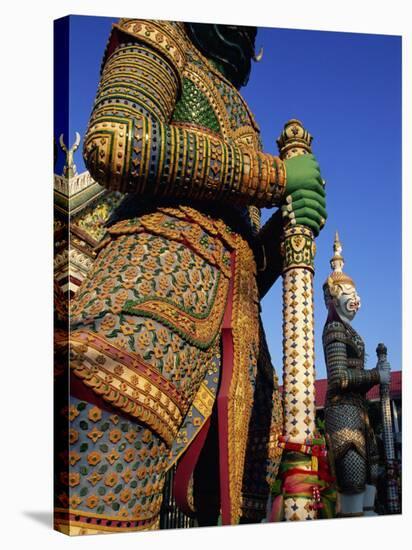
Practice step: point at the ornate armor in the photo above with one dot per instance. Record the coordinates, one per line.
(167, 123)
(351, 438)
(347, 422)
(165, 328)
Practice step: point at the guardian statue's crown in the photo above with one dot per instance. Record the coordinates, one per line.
(333, 286)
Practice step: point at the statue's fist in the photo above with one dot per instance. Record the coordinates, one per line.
(384, 372)
(385, 377)
(305, 194)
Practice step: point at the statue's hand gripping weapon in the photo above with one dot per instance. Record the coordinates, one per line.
(298, 250)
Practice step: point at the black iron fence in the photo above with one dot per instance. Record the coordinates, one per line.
(170, 515)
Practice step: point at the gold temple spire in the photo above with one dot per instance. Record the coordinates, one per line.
(337, 262)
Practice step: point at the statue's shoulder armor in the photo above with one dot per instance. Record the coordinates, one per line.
(355, 341)
(210, 97)
(167, 37)
(206, 99)
(335, 331)
(342, 332)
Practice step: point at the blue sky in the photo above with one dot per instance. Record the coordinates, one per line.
(346, 88)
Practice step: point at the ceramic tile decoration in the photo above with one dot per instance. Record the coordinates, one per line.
(196, 380)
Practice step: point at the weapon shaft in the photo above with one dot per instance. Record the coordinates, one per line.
(393, 501)
(298, 251)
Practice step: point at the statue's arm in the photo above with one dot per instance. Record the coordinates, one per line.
(131, 145)
(340, 377)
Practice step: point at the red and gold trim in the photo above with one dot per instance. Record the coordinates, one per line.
(74, 522)
(240, 341)
(127, 382)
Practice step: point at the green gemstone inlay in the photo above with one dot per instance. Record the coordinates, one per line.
(194, 108)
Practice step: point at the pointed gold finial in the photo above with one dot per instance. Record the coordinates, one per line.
(337, 262)
(294, 140)
(337, 278)
(337, 246)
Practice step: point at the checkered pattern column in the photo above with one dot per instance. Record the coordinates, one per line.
(298, 355)
(298, 250)
(298, 352)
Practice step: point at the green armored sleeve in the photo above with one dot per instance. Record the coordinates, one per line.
(132, 146)
(340, 377)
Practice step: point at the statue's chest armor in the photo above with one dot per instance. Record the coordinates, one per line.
(355, 349)
(210, 103)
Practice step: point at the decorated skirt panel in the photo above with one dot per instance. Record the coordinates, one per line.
(345, 425)
(145, 323)
(352, 445)
(147, 335)
(263, 455)
(112, 463)
(240, 346)
(111, 472)
(161, 267)
(199, 410)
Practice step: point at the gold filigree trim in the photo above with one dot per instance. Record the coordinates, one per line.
(246, 344)
(161, 35)
(204, 400)
(127, 382)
